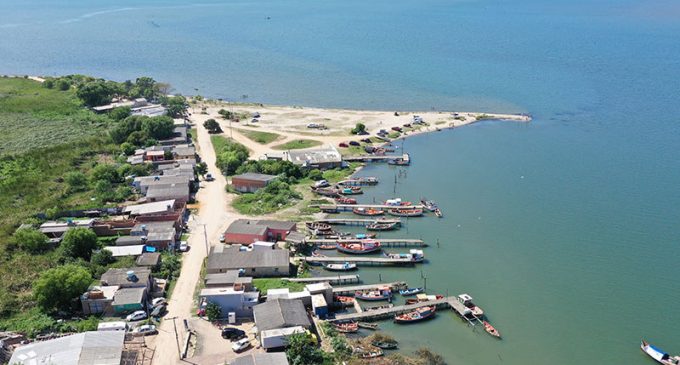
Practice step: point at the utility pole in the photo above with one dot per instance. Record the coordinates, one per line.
(205, 237)
(179, 350)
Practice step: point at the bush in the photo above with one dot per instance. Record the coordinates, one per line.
(272, 167)
(213, 312)
(230, 154)
(315, 174)
(359, 128)
(31, 240)
(102, 258)
(212, 126)
(79, 243)
(275, 196)
(120, 113)
(56, 288)
(75, 180)
(128, 148)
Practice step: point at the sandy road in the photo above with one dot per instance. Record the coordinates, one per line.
(214, 215)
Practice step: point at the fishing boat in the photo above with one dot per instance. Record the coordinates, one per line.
(318, 226)
(438, 213)
(374, 295)
(399, 162)
(410, 291)
(372, 354)
(367, 212)
(659, 355)
(351, 190)
(381, 226)
(329, 192)
(491, 330)
(406, 212)
(364, 236)
(360, 247)
(340, 267)
(345, 300)
(369, 180)
(414, 255)
(423, 298)
(328, 234)
(378, 307)
(346, 327)
(417, 315)
(385, 345)
(428, 204)
(466, 300)
(368, 326)
(397, 202)
(345, 200)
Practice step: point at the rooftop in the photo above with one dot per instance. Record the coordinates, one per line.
(325, 154)
(119, 276)
(129, 241)
(148, 259)
(274, 358)
(150, 208)
(228, 278)
(169, 190)
(119, 251)
(280, 313)
(87, 348)
(255, 176)
(129, 296)
(233, 259)
(161, 180)
(259, 227)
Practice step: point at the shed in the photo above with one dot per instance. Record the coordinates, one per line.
(280, 313)
(149, 259)
(251, 182)
(87, 348)
(275, 358)
(319, 305)
(129, 300)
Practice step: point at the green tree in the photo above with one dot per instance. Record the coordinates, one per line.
(62, 85)
(315, 174)
(79, 243)
(176, 105)
(97, 92)
(120, 113)
(213, 312)
(212, 126)
(301, 351)
(102, 258)
(56, 288)
(226, 114)
(75, 180)
(158, 127)
(144, 87)
(31, 240)
(128, 148)
(359, 128)
(202, 168)
(106, 172)
(48, 84)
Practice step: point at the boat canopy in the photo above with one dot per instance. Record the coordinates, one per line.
(656, 353)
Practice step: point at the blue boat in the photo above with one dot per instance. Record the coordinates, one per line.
(410, 291)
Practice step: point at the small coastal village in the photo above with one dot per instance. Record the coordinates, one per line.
(229, 243)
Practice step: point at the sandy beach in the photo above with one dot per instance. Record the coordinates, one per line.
(291, 122)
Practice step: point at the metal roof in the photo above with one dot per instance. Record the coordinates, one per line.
(228, 278)
(150, 208)
(168, 190)
(118, 251)
(233, 259)
(129, 296)
(255, 176)
(87, 348)
(326, 154)
(148, 259)
(119, 277)
(280, 313)
(274, 358)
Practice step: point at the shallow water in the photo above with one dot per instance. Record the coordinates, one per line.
(564, 230)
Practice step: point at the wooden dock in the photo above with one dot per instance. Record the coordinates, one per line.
(339, 279)
(396, 242)
(350, 207)
(360, 260)
(357, 222)
(359, 182)
(377, 158)
(384, 313)
(395, 285)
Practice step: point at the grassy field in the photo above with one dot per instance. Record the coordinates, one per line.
(260, 137)
(265, 284)
(32, 116)
(297, 144)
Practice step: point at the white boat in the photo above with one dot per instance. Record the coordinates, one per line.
(340, 267)
(659, 355)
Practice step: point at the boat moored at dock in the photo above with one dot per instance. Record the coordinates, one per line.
(360, 247)
(491, 330)
(410, 291)
(420, 314)
(382, 226)
(466, 300)
(406, 212)
(374, 295)
(346, 266)
(368, 212)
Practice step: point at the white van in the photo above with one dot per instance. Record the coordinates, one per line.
(112, 326)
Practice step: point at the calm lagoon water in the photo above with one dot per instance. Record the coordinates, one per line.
(565, 230)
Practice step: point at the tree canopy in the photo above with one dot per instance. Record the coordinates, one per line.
(31, 240)
(212, 126)
(98, 92)
(79, 243)
(56, 288)
(301, 351)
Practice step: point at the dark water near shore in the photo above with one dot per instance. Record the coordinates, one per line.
(565, 230)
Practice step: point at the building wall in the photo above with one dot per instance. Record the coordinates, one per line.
(257, 271)
(278, 234)
(247, 185)
(231, 303)
(97, 306)
(244, 239)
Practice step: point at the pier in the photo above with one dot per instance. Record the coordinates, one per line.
(377, 158)
(396, 242)
(383, 313)
(339, 279)
(350, 207)
(357, 222)
(360, 260)
(369, 181)
(394, 286)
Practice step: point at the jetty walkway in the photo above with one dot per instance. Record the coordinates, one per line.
(356, 222)
(339, 279)
(395, 285)
(350, 207)
(392, 242)
(360, 260)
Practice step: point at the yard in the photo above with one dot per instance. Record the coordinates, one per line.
(297, 144)
(260, 137)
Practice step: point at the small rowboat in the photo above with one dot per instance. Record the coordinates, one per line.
(367, 212)
(360, 247)
(346, 327)
(659, 355)
(491, 330)
(319, 226)
(381, 226)
(368, 326)
(326, 233)
(406, 212)
(417, 315)
(423, 298)
(438, 213)
(385, 345)
(371, 354)
(410, 291)
(326, 247)
(329, 192)
(374, 295)
(429, 204)
(345, 200)
(340, 267)
(352, 190)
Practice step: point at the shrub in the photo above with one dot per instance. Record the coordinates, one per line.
(31, 240)
(56, 288)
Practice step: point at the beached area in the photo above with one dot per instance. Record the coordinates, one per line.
(293, 122)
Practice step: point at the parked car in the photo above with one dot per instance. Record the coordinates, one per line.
(321, 184)
(407, 125)
(254, 120)
(354, 143)
(343, 144)
(256, 115)
(240, 345)
(183, 246)
(145, 330)
(159, 311)
(232, 334)
(221, 238)
(398, 129)
(209, 177)
(312, 125)
(366, 140)
(158, 301)
(363, 133)
(136, 316)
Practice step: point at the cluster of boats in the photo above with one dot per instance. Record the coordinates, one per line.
(397, 212)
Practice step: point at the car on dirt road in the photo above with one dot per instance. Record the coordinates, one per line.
(136, 316)
(145, 330)
(232, 334)
(241, 345)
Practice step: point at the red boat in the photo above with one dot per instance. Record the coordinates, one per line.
(367, 211)
(423, 299)
(326, 247)
(345, 300)
(406, 212)
(359, 247)
(374, 295)
(345, 200)
(346, 327)
(491, 330)
(417, 315)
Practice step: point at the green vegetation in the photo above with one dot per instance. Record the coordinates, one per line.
(297, 144)
(359, 128)
(275, 196)
(302, 351)
(212, 126)
(213, 311)
(34, 322)
(264, 284)
(260, 137)
(273, 167)
(143, 131)
(394, 134)
(56, 288)
(483, 116)
(230, 154)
